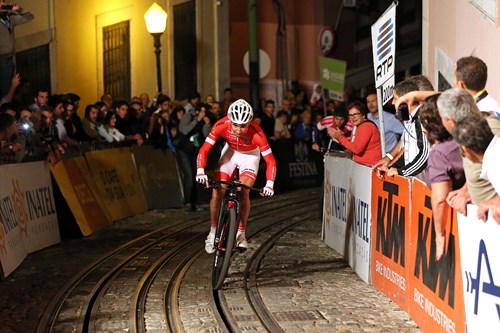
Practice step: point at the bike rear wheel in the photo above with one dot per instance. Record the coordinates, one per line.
(226, 234)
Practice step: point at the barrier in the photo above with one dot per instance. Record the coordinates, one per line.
(436, 303)
(347, 213)
(446, 295)
(391, 238)
(159, 176)
(27, 212)
(117, 182)
(75, 182)
(479, 246)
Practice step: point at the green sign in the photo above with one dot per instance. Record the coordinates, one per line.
(332, 75)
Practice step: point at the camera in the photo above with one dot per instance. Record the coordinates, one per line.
(403, 112)
(7, 7)
(25, 126)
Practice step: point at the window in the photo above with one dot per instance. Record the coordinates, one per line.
(116, 60)
(34, 66)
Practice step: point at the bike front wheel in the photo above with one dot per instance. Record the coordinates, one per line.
(226, 236)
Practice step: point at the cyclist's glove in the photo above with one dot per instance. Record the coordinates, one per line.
(201, 177)
(268, 191)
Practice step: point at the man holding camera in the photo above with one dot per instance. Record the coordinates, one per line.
(409, 157)
(11, 15)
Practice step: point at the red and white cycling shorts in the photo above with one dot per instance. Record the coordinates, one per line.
(247, 162)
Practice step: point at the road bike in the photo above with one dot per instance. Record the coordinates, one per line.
(227, 227)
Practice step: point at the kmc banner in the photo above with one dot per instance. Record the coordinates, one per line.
(480, 246)
(435, 285)
(391, 237)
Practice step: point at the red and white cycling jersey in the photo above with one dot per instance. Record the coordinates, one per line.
(246, 143)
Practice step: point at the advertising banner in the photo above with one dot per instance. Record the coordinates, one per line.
(332, 77)
(361, 220)
(391, 237)
(117, 182)
(12, 252)
(480, 246)
(435, 285)
(159, 176)
(384, 45)
(337, 203)
(76, 184)
(27, 212)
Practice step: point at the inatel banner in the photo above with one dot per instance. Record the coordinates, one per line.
(117, 182)
(436, 285)
(27, 212)
(337, 203)
(391, 237)
(359, 259)
(480, 247)
(76, 184)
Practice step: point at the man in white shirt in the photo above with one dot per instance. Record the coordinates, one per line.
(471, 74)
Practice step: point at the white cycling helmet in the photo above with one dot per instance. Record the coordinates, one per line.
(240, 112)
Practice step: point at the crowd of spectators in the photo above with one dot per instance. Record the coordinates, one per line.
(420, 144)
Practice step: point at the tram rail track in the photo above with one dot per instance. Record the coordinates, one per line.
(120, 260)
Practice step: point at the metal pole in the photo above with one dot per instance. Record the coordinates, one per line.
(157, 46)
(253, 52)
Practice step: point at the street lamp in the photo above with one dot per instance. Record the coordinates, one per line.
(156, 22)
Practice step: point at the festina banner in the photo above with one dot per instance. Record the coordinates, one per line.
(384, 46)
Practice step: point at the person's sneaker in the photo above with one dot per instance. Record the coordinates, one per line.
(209, 243)
(241, 242)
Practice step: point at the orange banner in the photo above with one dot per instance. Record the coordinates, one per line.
(76, 185)
(391, 237)
(436, 286)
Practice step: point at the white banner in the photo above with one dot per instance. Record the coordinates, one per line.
(384, 46)
(336, 203)
(27, 212)
(359, 259)
(479, 250)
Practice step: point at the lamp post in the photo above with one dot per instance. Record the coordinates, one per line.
(156, 23)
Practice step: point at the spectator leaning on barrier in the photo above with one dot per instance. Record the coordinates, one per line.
(364, 142)
(445, 171)
(45, 140)
(454, 105)
(339, 120)
(393, 128)
(409, 157)
(480, 146)
(109, 126)
(94, 130)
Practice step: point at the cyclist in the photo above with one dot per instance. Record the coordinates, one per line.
(245, 141)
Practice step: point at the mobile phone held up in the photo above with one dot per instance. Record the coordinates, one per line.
(403, 112)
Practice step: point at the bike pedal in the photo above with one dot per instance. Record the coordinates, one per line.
(241, 249)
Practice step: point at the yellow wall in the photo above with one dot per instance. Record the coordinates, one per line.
(36, 32)
(79, 46)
